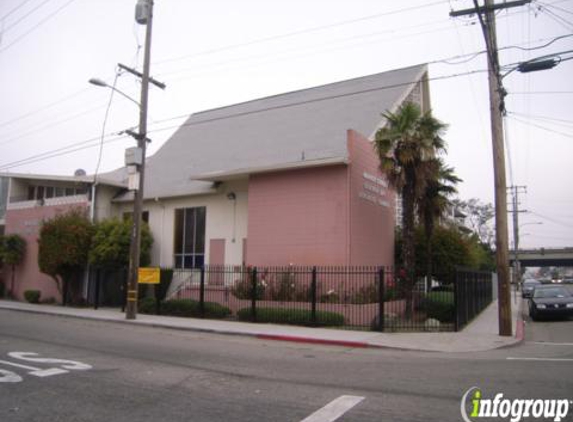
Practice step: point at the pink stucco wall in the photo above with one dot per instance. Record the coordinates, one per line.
(299, 217)
(371, 206)
(27, 223)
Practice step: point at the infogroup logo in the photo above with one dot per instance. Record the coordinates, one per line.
(474, 406)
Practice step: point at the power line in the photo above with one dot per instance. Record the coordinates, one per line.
(47, 106)
(567, 135)
(300, 32)
(26, 15)
(550, 119)
(540, 92)
(553, 220)
(39, 24)
(68, 149)
(23, 2)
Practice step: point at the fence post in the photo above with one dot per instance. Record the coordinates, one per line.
(254, 295)
(381, 294)
(202, 292)
(313, 297)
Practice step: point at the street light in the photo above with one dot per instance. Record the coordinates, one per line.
(104, 84)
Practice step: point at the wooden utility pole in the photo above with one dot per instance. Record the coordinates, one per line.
(486, 15)
(135, 246)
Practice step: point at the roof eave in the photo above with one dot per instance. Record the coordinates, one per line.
(242, 174)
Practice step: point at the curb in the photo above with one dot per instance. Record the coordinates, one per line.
(326, 342)
(260, 336)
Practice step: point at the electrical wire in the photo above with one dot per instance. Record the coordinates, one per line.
(45, 107)
(22, 3)
(523, 121)
(82, 144)
(7, 28)
(300, 32)
(35, 27)
(100, 152)
(553, 220)
(562, 122)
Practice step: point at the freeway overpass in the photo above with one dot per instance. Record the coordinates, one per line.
(544, 257)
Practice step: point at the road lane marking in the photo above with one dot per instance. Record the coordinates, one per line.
(548, 343)
(542, 359)
(9, 376)
(334, 410)
(37, 372)
(66, 366)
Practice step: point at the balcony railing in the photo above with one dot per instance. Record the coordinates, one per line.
(19, 203)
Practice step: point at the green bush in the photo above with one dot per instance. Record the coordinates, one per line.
(440, 306)
(32, 296)
(243, 289)
(146, 306)
(369, 294)
(292, 317)
(184, 308)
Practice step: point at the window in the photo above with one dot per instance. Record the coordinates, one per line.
(189, 248)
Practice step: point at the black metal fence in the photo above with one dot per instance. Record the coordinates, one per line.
(369, 298)
(473, 293)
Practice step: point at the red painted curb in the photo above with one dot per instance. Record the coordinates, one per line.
(296, 339)
(520, 329)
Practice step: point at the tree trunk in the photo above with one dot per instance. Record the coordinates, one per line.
(429, 226)
(408, 198)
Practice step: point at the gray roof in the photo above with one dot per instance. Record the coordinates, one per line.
(306, 127)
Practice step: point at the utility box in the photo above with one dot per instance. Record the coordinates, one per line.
(133, 156)
(142, 11)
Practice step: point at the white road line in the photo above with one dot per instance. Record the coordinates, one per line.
(17, 365)
(334, 409)
(548, 343)
(543, 359)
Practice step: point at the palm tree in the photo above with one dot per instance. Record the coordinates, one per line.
(434, 201)
(408, 140)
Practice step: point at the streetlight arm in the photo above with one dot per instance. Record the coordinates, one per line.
(99, 82)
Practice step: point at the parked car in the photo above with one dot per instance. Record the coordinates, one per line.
(528, 286)
(568, 281)
(548, 300)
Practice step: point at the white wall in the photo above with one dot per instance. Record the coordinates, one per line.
(220, 222)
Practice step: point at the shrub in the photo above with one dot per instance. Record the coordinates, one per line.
(32, 296)
(369, 294)
(292, 317)
(184, 308)
(439, 305)
(243, 289)
(146, 306)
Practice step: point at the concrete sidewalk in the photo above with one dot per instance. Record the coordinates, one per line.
(479, 335)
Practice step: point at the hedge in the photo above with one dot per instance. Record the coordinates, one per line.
(292, 317)
(184, 308)
(440, 306)
(32, 296)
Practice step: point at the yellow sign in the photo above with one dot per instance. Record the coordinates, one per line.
(148, 275)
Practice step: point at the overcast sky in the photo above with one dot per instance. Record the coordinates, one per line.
(216, 53)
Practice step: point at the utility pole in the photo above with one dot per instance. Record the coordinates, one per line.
(486, 15)
(515, 190)
(144, 16)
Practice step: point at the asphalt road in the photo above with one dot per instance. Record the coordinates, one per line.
(140, 374)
